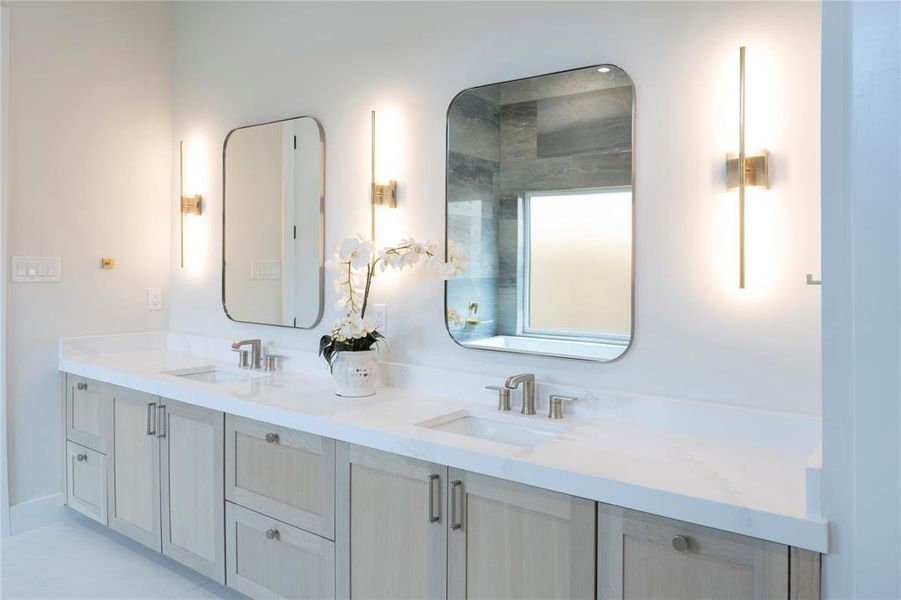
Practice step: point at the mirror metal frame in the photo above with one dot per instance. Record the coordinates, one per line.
(634, 214)
(321, 222)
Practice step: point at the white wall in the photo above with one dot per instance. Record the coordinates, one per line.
(89, 175)
(861, 298)
(4, 128)
(696, 334)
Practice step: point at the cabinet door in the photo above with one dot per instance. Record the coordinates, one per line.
(391, 536)
(88, 412)
(645, 556)
(286, 474)
(509, 540)
(270, 559)
(86, 481)
(134, 473)
(192, 470)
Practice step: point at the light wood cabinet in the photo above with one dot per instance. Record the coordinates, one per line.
(165, 479)
(193, 493)
(271, 559)
(279, 513)
(646, 556)
(134, 471)
(88, 413)
(509, 540)
(86, 481)
(392, 526)
(283, 473)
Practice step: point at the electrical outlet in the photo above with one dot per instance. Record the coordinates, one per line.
(378, 316)
(154, 299)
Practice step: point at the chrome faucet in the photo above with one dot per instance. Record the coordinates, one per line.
(528, 390)
(256, 351)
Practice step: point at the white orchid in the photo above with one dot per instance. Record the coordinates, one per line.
(352, 327)
(357, 251)
(355, 263)
(454, 318)
(456, 255)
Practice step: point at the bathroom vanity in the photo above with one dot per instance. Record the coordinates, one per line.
(270, 484)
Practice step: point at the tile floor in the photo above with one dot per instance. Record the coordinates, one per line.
(78, 558)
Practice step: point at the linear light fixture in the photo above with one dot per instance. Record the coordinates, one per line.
(382, 194)
(743, 170)
(189, 205)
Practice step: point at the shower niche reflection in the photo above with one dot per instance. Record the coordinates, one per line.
(540, 210)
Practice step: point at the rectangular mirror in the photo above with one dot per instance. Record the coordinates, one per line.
(272, 247)
(540, 210)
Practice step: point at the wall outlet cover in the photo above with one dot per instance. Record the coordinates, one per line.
(154, 299)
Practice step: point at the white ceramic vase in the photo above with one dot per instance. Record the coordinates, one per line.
(354, 373)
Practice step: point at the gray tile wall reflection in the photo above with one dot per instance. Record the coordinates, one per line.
(566, 131)
(472, 222)
(572, 141)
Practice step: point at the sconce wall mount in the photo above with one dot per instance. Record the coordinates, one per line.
(190, 205)
(757, 170)
(385, 194)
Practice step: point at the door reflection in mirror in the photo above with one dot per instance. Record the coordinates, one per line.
(272, 246)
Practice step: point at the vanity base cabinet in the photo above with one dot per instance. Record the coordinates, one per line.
(509, 540)
(391, 532)
(86, 481)
(648, 557)
(192, 487)
(267, 558)
(134, 469)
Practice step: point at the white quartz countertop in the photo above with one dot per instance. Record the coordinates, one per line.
(755, 490)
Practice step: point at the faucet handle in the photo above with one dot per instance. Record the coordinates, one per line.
(504, 396)
(243, 358)
(555, 406)
(274, 361)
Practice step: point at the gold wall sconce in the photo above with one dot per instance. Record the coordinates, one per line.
(189, 205)
(382, 193)
(744, 170)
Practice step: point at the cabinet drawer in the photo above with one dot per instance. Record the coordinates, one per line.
(646, 556)
(282, 473)
(86, 481)
(88, 413)
(270, 559)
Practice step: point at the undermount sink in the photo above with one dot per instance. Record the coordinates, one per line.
(507, 429)
(210, 375)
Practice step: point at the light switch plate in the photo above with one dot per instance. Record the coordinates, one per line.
(36, 269)
(265, 269)
(154, 299)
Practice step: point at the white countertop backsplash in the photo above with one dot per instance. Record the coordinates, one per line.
(741, 470)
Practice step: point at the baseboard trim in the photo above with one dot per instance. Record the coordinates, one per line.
(36, 513)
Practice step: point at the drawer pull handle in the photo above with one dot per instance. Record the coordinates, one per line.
(82, 457)
(680, 543)
(434, 490)
(273, 534)
(151, 421)
(272, 438)
(82, 386)
(456, 504)
(162, 425)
